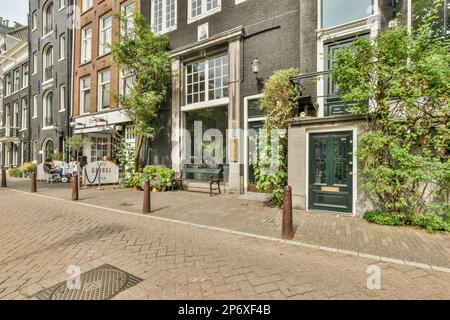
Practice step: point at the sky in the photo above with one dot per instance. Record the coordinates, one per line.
(14, 10)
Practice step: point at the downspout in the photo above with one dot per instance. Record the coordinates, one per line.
(71, 68)
(29, 115)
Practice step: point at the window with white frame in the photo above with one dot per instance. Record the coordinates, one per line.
(104, 89)
(8, 116)
(86, 44)
(127, 26)
(62, 97)
(8, 85)
(99, 148)
(207, 80)
(62, 4)
(164, 17)
(86, 5)
(200, 8)
(47, 23)
(15, 123)
(47, 108)
(24, 113)
(85, 94)
(126, 82)
(16, 80)
(25, 77)
(35, 62)
(34, 21)
(35, 105)
(62, 46)
(105, 34)
(336, 12)
(48, 63)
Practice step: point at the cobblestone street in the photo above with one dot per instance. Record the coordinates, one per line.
(41, 237)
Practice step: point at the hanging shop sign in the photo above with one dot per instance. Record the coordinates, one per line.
(101, 172)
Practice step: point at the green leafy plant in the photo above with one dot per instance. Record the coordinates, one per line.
(15, 172)
(278, 105)
(144, 57)
(57, 156)
(431, 222)
(28, 168)
(399, 82)
(385, 218)
(160, 176)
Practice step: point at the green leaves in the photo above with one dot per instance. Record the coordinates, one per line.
(404, 154)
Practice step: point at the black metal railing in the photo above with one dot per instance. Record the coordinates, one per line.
(9, 132)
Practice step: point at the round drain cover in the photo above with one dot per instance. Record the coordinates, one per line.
(99, 284)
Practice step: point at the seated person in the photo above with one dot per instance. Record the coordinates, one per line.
(73, 165)
(52, 167)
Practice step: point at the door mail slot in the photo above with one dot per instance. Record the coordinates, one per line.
(330, 189)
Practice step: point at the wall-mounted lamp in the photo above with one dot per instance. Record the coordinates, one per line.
(255, 68)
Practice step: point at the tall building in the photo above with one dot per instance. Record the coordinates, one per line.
(96, 114)
(50, 40)
(14, 72)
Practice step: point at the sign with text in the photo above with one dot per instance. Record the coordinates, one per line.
(104, 171)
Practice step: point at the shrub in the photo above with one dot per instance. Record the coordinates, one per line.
(385, 218)
(15, 172)
(57, 156)
(159, 176)
(431, 222)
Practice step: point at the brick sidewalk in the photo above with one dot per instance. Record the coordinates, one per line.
(230, 212)
(41, 237)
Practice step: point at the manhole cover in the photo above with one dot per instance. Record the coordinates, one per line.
(101, 283)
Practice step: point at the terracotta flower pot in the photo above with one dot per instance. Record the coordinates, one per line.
(135, 188)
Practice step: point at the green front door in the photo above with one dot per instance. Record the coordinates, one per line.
(330, 171)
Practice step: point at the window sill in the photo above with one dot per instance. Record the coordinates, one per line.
(49, 128)
(166, 30)
(47, 82)
(206, 104)
(87, 10)
(62, 110)
(83, 63)
(22, 130)
(103, 55)
(34, 117)
(47, 35)
(62, 59)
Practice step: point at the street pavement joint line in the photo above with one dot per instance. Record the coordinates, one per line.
(255, 236)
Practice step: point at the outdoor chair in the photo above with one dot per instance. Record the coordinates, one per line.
(177, 181)
(51, 176)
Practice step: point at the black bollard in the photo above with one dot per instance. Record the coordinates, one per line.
(3, 184)
(33, 182)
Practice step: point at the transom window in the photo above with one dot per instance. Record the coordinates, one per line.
(105, 34)
(201, 8)
(336, 12)
(104, 87)
(207, 80)
(164, 17)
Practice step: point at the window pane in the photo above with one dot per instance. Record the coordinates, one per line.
(336, 12)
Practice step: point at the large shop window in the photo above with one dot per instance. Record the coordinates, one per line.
(207, 80)
(212, 124)
(336, 12)
(99, 148)
(164, 17)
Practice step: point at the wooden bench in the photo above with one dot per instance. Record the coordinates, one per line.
(215, 175)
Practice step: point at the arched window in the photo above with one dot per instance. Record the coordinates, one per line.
(48, 149)
(47, 18)
(47, 108)
(48, 63)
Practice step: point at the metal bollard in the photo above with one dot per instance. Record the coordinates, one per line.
(74, 185)
(147, 206)
(33, 182)
(3, 184)
(288, 228)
